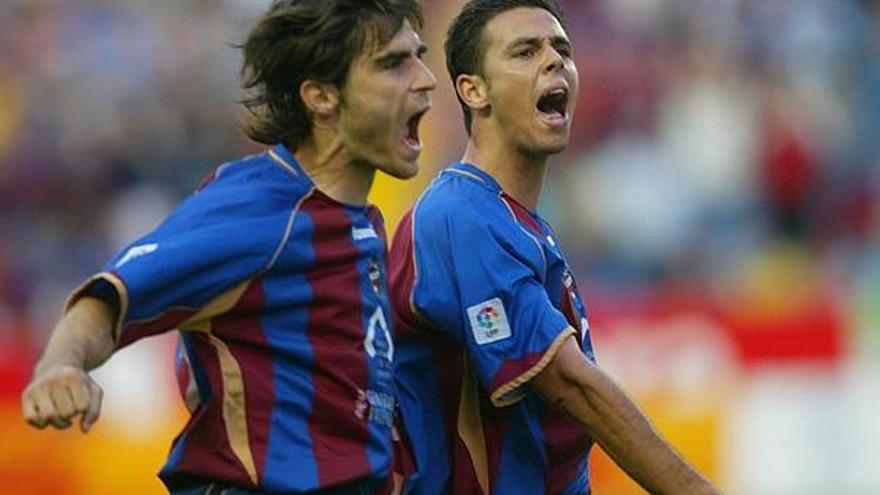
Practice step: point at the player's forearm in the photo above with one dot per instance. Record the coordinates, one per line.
(624, 432)
(82, 338)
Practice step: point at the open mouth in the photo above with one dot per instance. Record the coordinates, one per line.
(553, 105)
(411, 133)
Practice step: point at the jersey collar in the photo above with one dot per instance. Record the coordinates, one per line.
(284, 158)
(475, 173)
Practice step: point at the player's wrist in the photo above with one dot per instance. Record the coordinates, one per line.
(52, 363)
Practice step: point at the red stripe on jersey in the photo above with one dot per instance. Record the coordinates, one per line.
(242, 330)
(495, 425)
(164, 322)
(378, 221)
(512, 369)
(464, 478)
(523, 215)
(335, 331)
(401, 264)
(207, 448)
(566, 445)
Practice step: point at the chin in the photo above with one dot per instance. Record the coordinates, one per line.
(404, 170)
(548, 149)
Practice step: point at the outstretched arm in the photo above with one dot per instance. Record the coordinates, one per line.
(61, 388)
(572, 383)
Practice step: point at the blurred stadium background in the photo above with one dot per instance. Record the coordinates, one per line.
(720, 202)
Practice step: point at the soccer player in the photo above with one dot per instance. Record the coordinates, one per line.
(497, 380)
(274, 271)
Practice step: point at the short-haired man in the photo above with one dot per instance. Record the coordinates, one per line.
(274, 270)
(497, 380)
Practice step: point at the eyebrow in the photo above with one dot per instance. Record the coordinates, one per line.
(555, 40)
(395, 56)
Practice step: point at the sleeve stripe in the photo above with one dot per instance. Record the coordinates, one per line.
(508, 393)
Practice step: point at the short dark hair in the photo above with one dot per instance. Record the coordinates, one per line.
(299, 40)
(464, 40)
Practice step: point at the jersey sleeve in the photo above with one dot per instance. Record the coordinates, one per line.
(190, 266)
(479, 280)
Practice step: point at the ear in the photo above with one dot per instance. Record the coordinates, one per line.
(473, 91)
(321, 101)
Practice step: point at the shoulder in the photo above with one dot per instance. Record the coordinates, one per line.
(252, 195)
(454, 203)
(257, 180)
(459, 213)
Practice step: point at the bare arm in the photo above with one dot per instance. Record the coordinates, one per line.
(572, 383)
(61, 388)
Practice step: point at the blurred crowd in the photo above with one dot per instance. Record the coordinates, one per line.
(709, 135)
(725, 157)
(714, 139)
(710, 131)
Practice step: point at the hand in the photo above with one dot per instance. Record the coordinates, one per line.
(60, 393)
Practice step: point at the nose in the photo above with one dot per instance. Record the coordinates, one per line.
(425, 79)
(555, 60)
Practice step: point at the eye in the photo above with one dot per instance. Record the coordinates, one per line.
(392, 63)
(525, 52)
(564, 50)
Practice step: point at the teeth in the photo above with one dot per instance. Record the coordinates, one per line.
(557, 92)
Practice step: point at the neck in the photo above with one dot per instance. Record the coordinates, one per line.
(333, 171)
(520, 174)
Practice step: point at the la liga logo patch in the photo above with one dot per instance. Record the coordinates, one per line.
(489, 321)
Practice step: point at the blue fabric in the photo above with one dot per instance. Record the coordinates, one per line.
(492, 288)
(253, 226)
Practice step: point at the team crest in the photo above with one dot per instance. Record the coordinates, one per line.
(375, 274)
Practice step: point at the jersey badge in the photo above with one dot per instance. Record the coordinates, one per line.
(489, 321)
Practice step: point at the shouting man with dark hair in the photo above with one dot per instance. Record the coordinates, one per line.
(274, 271)
(497, 381)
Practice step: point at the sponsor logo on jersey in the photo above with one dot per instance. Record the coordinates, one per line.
(489, 321)
(136, 252)
(359, 234)
(378, 342)
(375, 406)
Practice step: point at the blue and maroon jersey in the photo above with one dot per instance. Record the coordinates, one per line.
(483, 299)
(280, 296)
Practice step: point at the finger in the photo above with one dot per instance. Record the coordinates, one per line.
(45, 406)
(63, 403)
(60, 423)
(79, 393)
(96, 396)
(30, 412)
(64, 411)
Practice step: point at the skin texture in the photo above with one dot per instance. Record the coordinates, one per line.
(573, 384)
(527, 52)
(361, 128)
(61, 389)
(357, 130)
